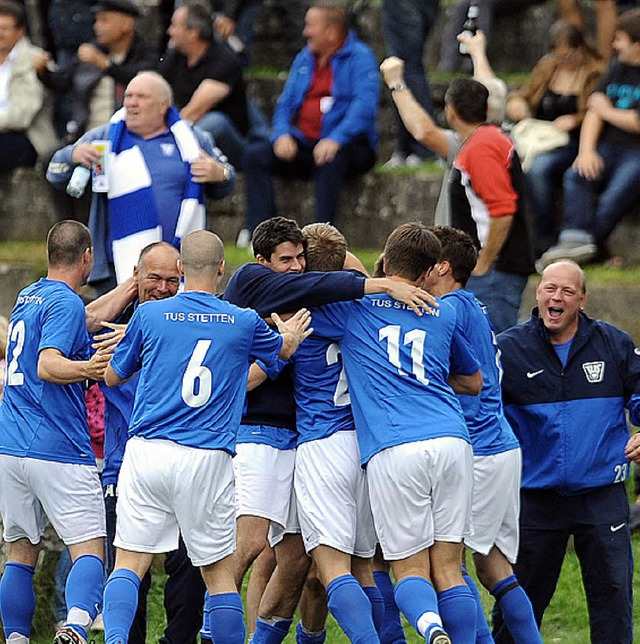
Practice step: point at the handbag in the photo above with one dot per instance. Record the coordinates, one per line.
(534, 136)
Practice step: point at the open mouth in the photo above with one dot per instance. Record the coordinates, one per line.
(555, 312)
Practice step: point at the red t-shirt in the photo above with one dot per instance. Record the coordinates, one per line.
(318, 101)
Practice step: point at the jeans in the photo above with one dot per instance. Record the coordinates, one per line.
(406, 25)
(502, 294)
(227, 137)
(261, 164)
(593, 208)
(542, 179)
(16, 151)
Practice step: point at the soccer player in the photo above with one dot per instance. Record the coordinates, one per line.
(327, 470)
(497, 461)
(412, 435)
(267, 437)
(47, 467)
(177, 474)
(156, 277)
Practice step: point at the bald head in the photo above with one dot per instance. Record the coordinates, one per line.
(202, 253)
(157, 272)
(569, 268)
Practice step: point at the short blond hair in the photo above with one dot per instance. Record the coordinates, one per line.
(326, 247)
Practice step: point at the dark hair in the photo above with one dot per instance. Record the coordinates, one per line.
(334, 13)
(66, 242)
(566, 33)
(326, 247)
(469, 98)
(411, 249)
(629, 22)
(15, 10)
(458, 249)
(199, 17)
(272, 232)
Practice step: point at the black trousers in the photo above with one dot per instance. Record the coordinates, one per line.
(598, 522)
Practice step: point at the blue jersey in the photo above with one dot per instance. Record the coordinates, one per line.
(323, 404)
(489, 429)
(39, 419)
(193, 351)
(397, 366)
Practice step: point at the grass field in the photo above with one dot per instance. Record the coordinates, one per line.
(566, 619)
(565, 622)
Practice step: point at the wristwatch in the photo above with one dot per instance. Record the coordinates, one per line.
(226, 171)
(397, 87)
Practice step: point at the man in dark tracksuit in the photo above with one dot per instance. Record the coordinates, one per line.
(567, 382)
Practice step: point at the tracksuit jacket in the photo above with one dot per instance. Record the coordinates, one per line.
(570, 420)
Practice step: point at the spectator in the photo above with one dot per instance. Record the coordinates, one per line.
(406, 28)
(324, 121)
(71, 24)
(100, 72)
(450, 58)
(237, 18)
(421, 125)
(206, 79)
(567, 380)
(25, 119)
(486, 190)
(602, 184)
(557, 91)
(162, 184)
(606, 17)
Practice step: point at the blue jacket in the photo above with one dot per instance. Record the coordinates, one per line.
(61, 168)
(356, 91)
(571, 421)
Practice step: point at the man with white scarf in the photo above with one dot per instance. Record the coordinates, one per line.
(156, 170)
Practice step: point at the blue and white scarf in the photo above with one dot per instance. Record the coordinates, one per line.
(133, 212)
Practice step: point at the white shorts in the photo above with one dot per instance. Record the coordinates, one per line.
(69, 495)
(291, 524)
(496, 503)
(264, 481)
(333, 497)
(420, 493)
(164, 489)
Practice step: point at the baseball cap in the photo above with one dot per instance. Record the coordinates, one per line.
(121, 6)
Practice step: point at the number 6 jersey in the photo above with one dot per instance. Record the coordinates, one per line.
(193, 352)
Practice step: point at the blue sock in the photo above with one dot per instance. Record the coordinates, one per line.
(351, 608)
(120, 604)
(83, 592)
(483, 632)
(268, 633)
(304, 637)
(225, 618)
(377, 605)
(17, 599)
(517, 611)
(417, 599)
(205, 633)
(391, 631)
(458, 611)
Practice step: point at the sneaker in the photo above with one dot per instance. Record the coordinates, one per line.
(68, 635)
(579, 252)
(437, 636)
(414, 161)
(244, 239)
(397, 160)
(98, 623)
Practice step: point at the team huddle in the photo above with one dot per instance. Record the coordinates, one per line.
(316, 423)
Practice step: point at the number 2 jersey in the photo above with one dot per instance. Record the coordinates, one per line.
(40, 419)
(397, 365)
(193, 351)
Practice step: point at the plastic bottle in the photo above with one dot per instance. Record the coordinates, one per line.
(78, 182)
